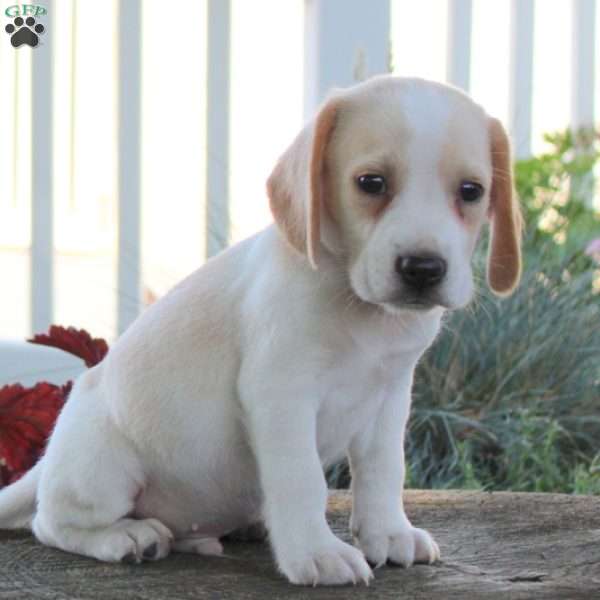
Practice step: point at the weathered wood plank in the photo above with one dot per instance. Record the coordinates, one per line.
(501, 545)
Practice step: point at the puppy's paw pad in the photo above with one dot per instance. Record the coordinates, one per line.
(336, 564)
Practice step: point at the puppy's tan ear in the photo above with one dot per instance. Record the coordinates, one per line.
(504, 258)
(296, 185)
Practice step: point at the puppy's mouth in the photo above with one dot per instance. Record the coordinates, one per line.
(421, 302)
(395, 307)
(401, 304)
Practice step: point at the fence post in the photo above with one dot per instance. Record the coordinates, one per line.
(458, 51)
(217, 126)
(129, 259)
(521, 75)
(582, 63)
(582, 84)
(346, 41)
(42, 205)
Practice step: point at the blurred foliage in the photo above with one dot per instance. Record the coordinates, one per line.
(509, 395)
(555, 188)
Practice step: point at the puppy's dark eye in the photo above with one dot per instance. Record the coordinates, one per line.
(470, 191)
(372, 184)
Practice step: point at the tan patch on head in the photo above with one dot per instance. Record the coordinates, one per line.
(374, 206)
(370, 137)
(323, 129)
(375, 209)
(282, 187)
(465, 157)
(504, 260)
(296, 186)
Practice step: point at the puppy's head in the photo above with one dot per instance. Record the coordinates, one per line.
(396, 177)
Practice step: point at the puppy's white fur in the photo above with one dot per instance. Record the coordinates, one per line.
(220, 406)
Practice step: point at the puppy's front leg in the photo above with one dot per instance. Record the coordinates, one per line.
(378, 521)
(295, 496)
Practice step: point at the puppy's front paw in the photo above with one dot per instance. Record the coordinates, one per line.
(331, 563)
(402, 546)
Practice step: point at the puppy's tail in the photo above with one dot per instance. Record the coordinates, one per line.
(18, 500)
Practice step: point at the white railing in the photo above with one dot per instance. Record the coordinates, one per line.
(521, 75)
(583, 67)
(42, 207)
(129, 280)
(344, 41)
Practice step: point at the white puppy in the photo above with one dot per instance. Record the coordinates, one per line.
(222, 404)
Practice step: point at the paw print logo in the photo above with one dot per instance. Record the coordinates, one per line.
(24, 32)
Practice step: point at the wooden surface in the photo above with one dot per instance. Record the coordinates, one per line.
(501, 545)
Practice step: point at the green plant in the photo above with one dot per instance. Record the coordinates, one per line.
(518, 380)
(555, 190)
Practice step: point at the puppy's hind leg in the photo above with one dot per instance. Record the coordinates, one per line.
(88, 487)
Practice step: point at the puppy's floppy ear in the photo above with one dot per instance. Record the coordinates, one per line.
(504, 258)
(296, 185)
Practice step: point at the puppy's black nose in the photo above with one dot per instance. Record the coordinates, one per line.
(421, 271)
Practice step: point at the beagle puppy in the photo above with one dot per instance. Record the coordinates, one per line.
(220, 406)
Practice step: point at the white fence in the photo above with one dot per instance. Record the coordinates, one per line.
(344, 41)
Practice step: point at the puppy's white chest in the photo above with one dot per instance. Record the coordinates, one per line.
(352, 393)
(372, 362)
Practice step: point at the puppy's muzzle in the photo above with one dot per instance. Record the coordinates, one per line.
(421, 272)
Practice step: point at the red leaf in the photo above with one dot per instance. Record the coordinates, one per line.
(74, 341)
(27, 416)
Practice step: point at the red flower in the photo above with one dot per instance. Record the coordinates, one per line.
(28, 415)
(74, 341)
